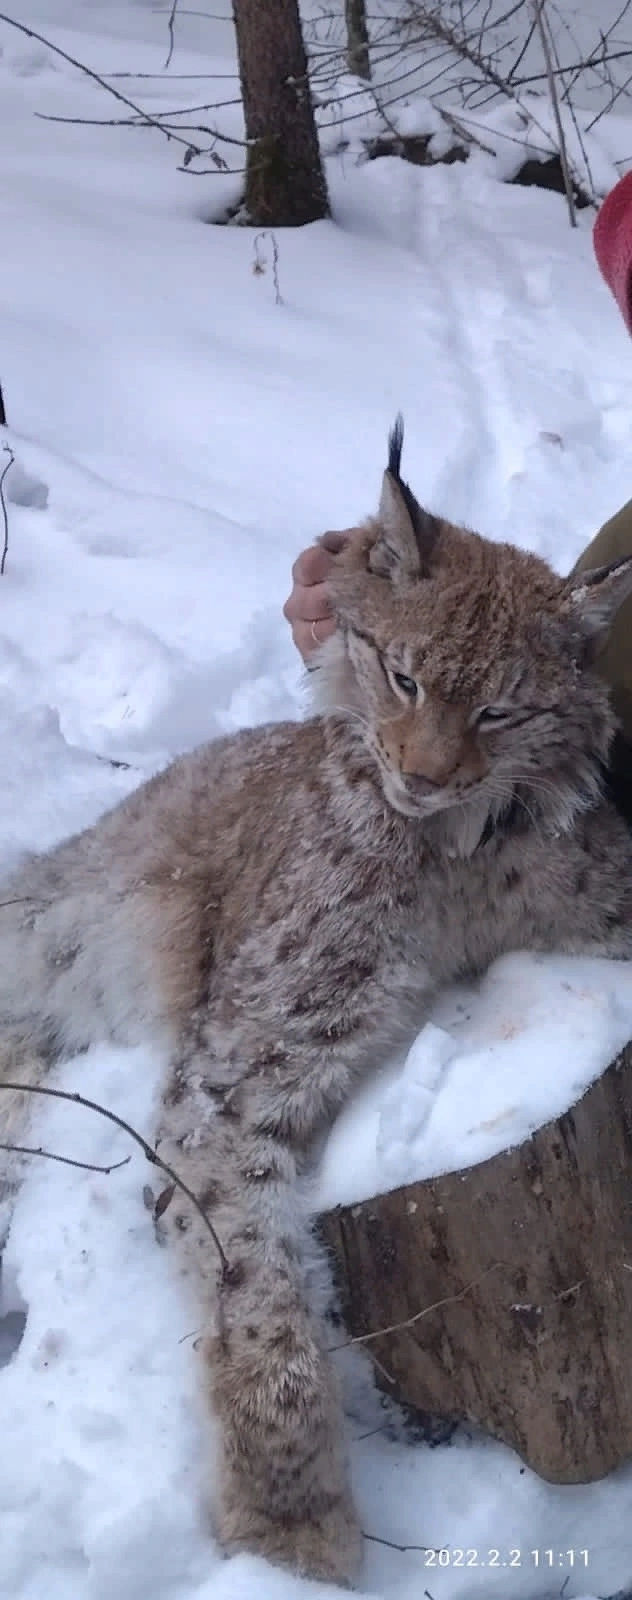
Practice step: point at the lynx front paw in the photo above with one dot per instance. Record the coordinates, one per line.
(328, 1547)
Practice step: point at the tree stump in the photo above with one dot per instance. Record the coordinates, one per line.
(505, 1291)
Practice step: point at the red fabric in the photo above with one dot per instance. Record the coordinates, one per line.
(612, 239)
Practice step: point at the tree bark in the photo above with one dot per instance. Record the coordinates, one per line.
(526, 1265)
(358, 60)
(285, 183)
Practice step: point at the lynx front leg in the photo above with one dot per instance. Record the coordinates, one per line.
(283, 1489)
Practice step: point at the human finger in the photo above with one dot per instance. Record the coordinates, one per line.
(308, 636)
(307, 604)
(312, 566)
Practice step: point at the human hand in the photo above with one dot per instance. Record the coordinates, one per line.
(307, 608)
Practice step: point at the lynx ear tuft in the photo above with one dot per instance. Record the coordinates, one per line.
(595, 596)
(405, 543)
(395, 446)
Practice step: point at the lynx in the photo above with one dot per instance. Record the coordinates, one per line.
(278, 909)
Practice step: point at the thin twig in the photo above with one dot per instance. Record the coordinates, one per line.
(409, 1322)
(458, 127)
(170, 29)
(574, 118)
(176, 77)
(150, 1154)
(68, 1161)
(209, 16)
(3, 506)
(577, 66)
(136, 122)
(22, 900)
(260, 262)
(615, 95)
(511, 75)
(391, 1545)
(388, 1376)
(165, 116)
(370, 1433)
(217, 171)
(538, 10)
(168, 128)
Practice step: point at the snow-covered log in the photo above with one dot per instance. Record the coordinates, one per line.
(505, 1290)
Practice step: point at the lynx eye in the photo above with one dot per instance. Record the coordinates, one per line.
(407, 685)
(493, 714)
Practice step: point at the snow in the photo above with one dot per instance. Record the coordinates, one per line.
(493, 1064)
(179, 436)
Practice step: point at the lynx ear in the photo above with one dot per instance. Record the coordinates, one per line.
(594, 597)
(403, 548)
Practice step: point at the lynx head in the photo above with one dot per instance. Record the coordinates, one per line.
(466, 666)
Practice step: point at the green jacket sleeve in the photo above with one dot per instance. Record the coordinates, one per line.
(613, 542)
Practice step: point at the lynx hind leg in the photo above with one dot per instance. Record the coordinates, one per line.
(282, 1485)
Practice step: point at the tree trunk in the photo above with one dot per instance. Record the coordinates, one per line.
(358, 60)
(285, 183)
(522, 1270)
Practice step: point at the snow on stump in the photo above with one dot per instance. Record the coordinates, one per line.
(505, 1290)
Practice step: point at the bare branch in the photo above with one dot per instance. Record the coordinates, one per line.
(212, 172)
(3, 506)
(409, 1322)
(511, 75)
(573, 116)
(260, 263)
(391, 1545)
(577, 66)
(166, 127)
(68, 1161)
(209, 16)
(170, 29)
(22, 900)
(538, 12)
(177, 77)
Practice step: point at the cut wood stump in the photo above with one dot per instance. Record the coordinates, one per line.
(502, 1295)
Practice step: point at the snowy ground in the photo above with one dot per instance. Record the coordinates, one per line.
(180, 436)
(494, 1062)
